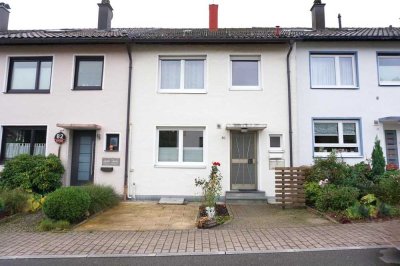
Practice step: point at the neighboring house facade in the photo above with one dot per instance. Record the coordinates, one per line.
(148, 110)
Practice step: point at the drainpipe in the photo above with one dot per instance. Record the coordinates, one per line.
(290, 104)
(128, 118)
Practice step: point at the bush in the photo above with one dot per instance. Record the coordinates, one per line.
(328, 168)
(335, 198)
(67, 203)
(312, 190)
(388, 188)
(101, 197)
(1, 205)
(357, 211)
(37, 173)
(378, 160)
(51, 225)
(387, 210)
(15, 201)
(35, 202)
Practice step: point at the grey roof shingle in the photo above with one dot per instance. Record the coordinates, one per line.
(194, 35)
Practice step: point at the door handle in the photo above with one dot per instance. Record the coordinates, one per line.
(250, 161)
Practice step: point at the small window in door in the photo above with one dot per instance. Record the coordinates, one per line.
(112, 142)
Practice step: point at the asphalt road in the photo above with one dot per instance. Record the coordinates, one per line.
(364, 257)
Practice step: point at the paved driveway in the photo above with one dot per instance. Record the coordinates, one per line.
(143, 216)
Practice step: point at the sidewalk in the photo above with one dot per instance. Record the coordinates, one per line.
(217, 241)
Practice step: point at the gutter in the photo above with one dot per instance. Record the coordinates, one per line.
(290, 104)
(128, 118)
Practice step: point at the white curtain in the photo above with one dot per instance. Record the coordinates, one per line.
(24, 76)
(168, 154)
(346, 70)
(326, 129)
(323, 71)
(349, 129)
(15, 149)
(90, 73)
(45, 76)
(170, 74)
(194, 74)
(192, 154)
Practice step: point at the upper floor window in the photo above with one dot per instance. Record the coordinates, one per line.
(30, 74)
(389, 69)
(342, 136)
(23, 140)
(184, 75)
(88, 72)
(333, 71)
(245, 73)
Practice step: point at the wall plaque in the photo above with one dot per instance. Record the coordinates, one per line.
(111, 161)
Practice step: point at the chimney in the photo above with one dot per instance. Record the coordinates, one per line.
(213, 18)
(4, 15)
(105, 15)
(318, 15)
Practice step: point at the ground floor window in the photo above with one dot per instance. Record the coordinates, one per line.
(342, 136)
(180, 145)
(23, 140)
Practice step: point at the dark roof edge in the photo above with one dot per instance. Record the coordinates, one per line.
(30, 41)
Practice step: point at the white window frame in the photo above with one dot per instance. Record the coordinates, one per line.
(245, 58)
(341, 141)
(182, 74)
(337, 71)
(387, 83)
(275, 149)
(180, 162)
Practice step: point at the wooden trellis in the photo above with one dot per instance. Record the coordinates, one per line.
(289, 186)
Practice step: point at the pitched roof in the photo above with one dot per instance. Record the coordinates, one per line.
(196, 35)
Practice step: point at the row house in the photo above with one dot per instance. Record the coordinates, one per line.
(147, 110)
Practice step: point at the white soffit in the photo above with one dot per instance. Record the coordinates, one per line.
(249, 127)
(80, 126)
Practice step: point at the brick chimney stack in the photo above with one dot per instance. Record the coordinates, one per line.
(213, 17)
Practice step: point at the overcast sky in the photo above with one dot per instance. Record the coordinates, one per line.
(56, 14)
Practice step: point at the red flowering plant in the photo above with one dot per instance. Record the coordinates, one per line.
(211, 187)
(391, 167)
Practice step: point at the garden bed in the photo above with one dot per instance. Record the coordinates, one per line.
(221, 216)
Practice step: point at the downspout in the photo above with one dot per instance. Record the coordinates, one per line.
(290, 104)
(128, 118)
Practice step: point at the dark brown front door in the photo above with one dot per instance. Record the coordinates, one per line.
(83, 157)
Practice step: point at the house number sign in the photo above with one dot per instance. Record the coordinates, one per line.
(60, 138)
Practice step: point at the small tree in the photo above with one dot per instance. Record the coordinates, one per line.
(378, 160)
(212, 186)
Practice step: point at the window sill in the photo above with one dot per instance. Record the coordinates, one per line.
(111, 151)
(180, 166)
(245, 88)
(182, 91)
(27, 92)
(335, 88)
(390, 85)
(88, 88)
(347, 156)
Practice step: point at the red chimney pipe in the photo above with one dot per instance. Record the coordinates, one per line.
(277, 31)
(213, 18)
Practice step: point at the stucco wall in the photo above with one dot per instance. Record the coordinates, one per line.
(369, 103)
(106, 108)
(218, 106)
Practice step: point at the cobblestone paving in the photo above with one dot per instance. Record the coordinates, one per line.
(198, 241)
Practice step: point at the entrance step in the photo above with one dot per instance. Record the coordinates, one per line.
(237, 196)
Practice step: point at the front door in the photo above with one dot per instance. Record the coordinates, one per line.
(243, 160)
(391, 147)
(83, 157)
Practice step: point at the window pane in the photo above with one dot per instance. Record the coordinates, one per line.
(323, 71)
(389, 69)
(275, 142)
(90, 73)
(17, 142)
(194, 74)
(192, 146)
(24, 76)
(170, 74)
(326, 139)
(245, 73)
(346, 70)
(168, 146)
(326, 128)
(349, 133)
(45, 76)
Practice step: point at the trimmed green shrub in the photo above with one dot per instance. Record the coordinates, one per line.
(51, 225)
(330, 168)
(67, 203)
(37, 173)
(387, 210)
(335, 198)
(101, 197)
(15, 201)
(357, 211)
(388, 189)
(312, 190)
(378, 160)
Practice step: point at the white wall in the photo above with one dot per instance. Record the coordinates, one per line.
(218, 106)
(369, 103)
(106, 108)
